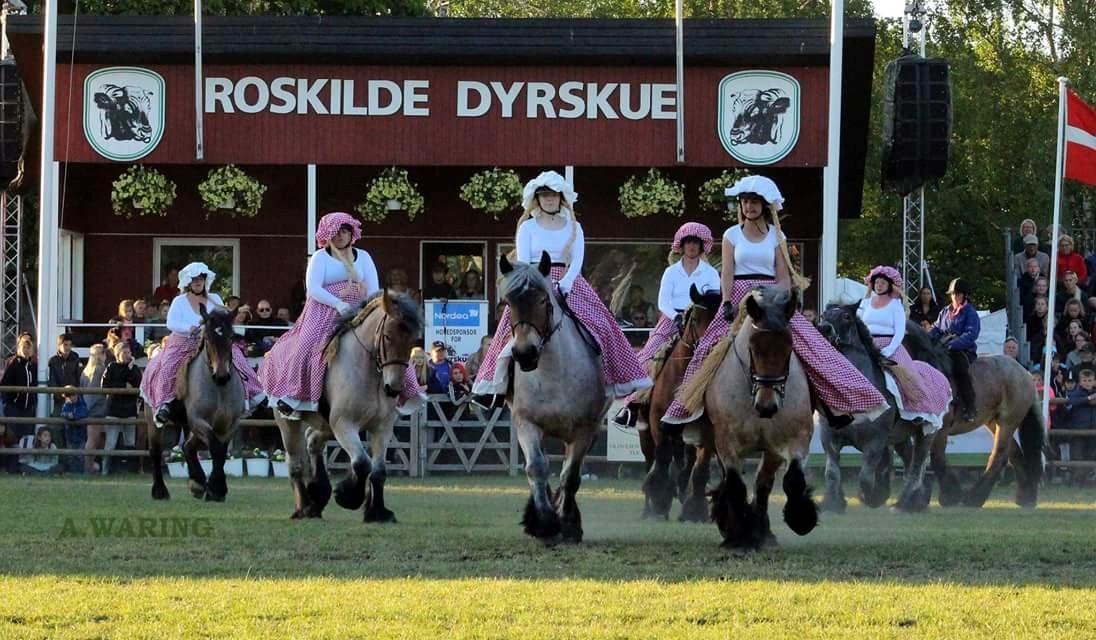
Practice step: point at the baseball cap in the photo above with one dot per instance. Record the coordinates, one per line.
(437, 344)
(1031, 238)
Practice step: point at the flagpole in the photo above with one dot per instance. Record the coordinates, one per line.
(199, 124)
(679, 45)
(1059, 172)
(48, 214)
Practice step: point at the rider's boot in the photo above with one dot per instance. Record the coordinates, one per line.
(628, 415)
(286, 411)
(488, 401)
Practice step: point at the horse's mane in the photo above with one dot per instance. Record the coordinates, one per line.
(408, 311)
(863, 333)
(922, 347)
(521, 278)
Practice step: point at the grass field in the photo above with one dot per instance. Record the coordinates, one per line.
(458, 566)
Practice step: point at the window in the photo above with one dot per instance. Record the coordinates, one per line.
(221, 254)
(453, 267)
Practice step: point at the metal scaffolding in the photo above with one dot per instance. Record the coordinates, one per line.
(913, 205)
(11, 248)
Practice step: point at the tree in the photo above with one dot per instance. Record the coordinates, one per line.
(407, 8)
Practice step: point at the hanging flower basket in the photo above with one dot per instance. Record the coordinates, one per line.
(141, 191)
(711, 193)
(643, 196)
(390, 191)
(229, 190)
(494, 191)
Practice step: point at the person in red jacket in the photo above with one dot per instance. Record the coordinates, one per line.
(1068, 260)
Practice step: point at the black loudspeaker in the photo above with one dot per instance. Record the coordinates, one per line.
(916, 122)
(11, 120)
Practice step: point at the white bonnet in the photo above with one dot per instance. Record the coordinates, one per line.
(760, 185)
(193, 270)
(553, 181)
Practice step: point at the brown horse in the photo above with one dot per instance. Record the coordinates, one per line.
(674, 467)
(755, 394)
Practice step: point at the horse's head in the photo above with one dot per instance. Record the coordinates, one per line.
(400, 325)
(526, 290)
(700, 313)
(217, 343)
(839, 325)
(770, 342)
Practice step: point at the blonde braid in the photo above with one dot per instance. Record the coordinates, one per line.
(798, 281)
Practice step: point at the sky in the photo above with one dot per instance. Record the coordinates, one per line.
(889, 8)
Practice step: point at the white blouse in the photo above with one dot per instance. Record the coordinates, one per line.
(533, 239)
(888, 321)
(182, 318)
(753, 257)
(325, 269)
(673, 293)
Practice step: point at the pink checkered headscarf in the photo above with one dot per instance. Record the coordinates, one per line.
(696, 230)
(329, 226)
(890, 273)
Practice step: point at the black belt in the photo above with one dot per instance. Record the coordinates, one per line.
(559, 264)
(879, 335)
(753, 276)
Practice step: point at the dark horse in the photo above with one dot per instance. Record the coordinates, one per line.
(214, 397)
(672, 465)
(873, 438)
(1007, 405)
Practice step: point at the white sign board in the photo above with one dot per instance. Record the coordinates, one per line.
(622, 444)
(460, 324)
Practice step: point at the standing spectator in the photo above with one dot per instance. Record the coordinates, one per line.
(1031, 252)
(459, 387)
(21, 371)
(263, 339)
(1069, 261)
(419, 365)
(1026, 284)
(1012, 348)
(169, 287)
(1063, 334)
(473, 363)
(925, 308)
(396, 281)
(472, 286)
(155, 334)
(1027, 228)
(439, 288)
(1037, 328)
(437, 376)
(124, 318)
(1082, 356)
(92, 378)
(1068, 291)
(1081, 407)
(64, 369)
(638, 303)
(39, 464)
(121, 374)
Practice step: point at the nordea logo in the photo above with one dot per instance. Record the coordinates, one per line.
(124, 112)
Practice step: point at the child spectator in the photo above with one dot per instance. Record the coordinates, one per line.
(418, 363)
(21, 371)
(232, 303)
(1081, 406)
(459, 388)
(39, 464)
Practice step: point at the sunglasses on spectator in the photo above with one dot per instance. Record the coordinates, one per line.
(264, 309)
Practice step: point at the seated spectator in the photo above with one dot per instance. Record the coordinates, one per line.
(263, 339)
(1082, 356)
(460, 388)
(121, 374)
(638, 303)
(169, 286)
(1027, 228)
(418, 362)
(437, 376)
(283, 314)
(155, 334)
(472, 365)
(140, 311)
(39, 464)
(925, 308)
(638, 320)
(1026, 284)
(92, 378)
(124, 318)
(232, 303)
(1069, 261)
(472, 286)
(21, 370)
(439, 288)
(1064, 332)
(1037, 328)
(1068, 291)
(1012, 348)
(1031, 252)
(116, 335)
(811, 316)
(396, 281)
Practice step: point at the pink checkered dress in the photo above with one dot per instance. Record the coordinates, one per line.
(158, 381)
(661, 335)
(930, 398)
(293, 370)
(622, 370)
(839, 384)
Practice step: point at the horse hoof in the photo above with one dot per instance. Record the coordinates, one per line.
(550, 541)
(350, 496)
(213, 497)
(196, 490)
(694, 511)
(380, 516)
(296, 515)
(769, 541)
(160, 492)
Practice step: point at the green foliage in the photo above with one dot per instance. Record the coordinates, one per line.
(652, 9)
(391, 185)
(231, 190)
(494, 191)
(141, 191)
(712, 193)
(399, 8)
(651, 194)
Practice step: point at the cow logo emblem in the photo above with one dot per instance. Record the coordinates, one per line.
(124, 112)
(758, 116)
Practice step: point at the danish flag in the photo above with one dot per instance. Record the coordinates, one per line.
(1080, 140)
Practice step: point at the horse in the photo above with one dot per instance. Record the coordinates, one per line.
(1006, 403)
(214, 399)
(756, 397)
(366, 360)
(873, 438)
(674, 467)
(557, 390)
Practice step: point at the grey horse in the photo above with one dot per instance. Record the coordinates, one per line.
(557, 390)
(873, 438)
(366, 362)
(214, 397)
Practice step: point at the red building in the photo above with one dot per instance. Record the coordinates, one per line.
(340, 99)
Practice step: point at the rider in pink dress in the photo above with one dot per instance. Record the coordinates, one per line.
(339, 278)
(755, 254)
(184, 321)
(549, 224)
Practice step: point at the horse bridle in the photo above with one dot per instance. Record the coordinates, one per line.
(777, 383)
(546, 334)
(378, 351)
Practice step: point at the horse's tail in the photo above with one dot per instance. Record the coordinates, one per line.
(1034, 443)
